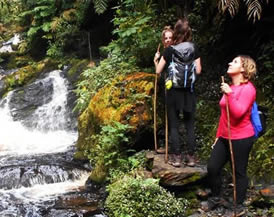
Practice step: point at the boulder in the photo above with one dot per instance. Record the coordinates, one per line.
(126, 100)
(173, 176)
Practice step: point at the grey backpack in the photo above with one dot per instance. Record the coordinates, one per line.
(182, 69)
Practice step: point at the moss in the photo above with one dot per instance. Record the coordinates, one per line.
(77, 67)
(27, 74)
(126, 100)
(99, 173)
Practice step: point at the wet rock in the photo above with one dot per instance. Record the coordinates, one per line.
(27, 176)
(171, 176)
(24, 101)
(2, 88)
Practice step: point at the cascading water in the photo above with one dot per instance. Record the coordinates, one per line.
(48, 122)
(7, 48)
(36, 149)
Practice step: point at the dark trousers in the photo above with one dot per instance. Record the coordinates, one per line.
(173, 123)
(220, 155)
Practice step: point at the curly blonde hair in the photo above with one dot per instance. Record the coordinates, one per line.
(249, 66)
(166, 29)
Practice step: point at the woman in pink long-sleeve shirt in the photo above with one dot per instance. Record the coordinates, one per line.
(241, 95)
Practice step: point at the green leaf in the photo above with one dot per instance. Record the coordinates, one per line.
(33, 30)
(46, 27)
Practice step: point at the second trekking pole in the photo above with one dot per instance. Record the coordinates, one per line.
(231, 152)
(154, 108)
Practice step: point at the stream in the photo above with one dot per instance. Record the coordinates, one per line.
(39, 176)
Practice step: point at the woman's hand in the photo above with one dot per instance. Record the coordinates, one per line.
(225, 88)
(212, 146)
(157, 56)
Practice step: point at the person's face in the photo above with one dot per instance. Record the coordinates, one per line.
(235, 66)
(185, 25)
(168, 39)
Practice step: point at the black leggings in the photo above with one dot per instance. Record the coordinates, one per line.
(173, 123)
(220, 155)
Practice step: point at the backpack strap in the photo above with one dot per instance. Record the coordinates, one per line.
(186, 68)
(193, 70)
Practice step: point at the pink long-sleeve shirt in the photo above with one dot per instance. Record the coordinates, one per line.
(240, 102)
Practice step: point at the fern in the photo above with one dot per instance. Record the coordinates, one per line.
(233, 7)
(100, 6)
(254, 7)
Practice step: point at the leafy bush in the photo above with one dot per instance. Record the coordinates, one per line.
(138, 197)
(56, 22)
(106, 151)
(128, 165)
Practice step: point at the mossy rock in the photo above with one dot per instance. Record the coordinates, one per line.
(128, 100)
(76, 67)
(16, 61)
(26, 74)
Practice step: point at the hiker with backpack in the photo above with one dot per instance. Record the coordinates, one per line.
(167, 40)
(182, 60)
(234, 127)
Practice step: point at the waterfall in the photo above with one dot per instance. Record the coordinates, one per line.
(49, 134)
(36, 151)
(52, 116)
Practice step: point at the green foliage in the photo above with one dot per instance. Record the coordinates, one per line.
(127, 165)
(140, 197)
(56, 21)
(136, 30)
(8, 9)
(97, 77)
(207, 127)
(107, 148)
(41, 14)
(266, 71)
(261, 160)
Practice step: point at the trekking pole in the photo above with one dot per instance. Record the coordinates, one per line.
(231, 153)
(155, 116)
(166, 130)
(166, 155)
(154, 109)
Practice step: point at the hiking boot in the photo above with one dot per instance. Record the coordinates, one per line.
(190, 160)
(175, 160)
(239, 211)
(161, 150)
(178, 160)
(170, 159)
(212, 203)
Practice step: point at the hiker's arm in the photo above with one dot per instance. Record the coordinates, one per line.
(160, 66)
(198, 66)
(239, 105)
